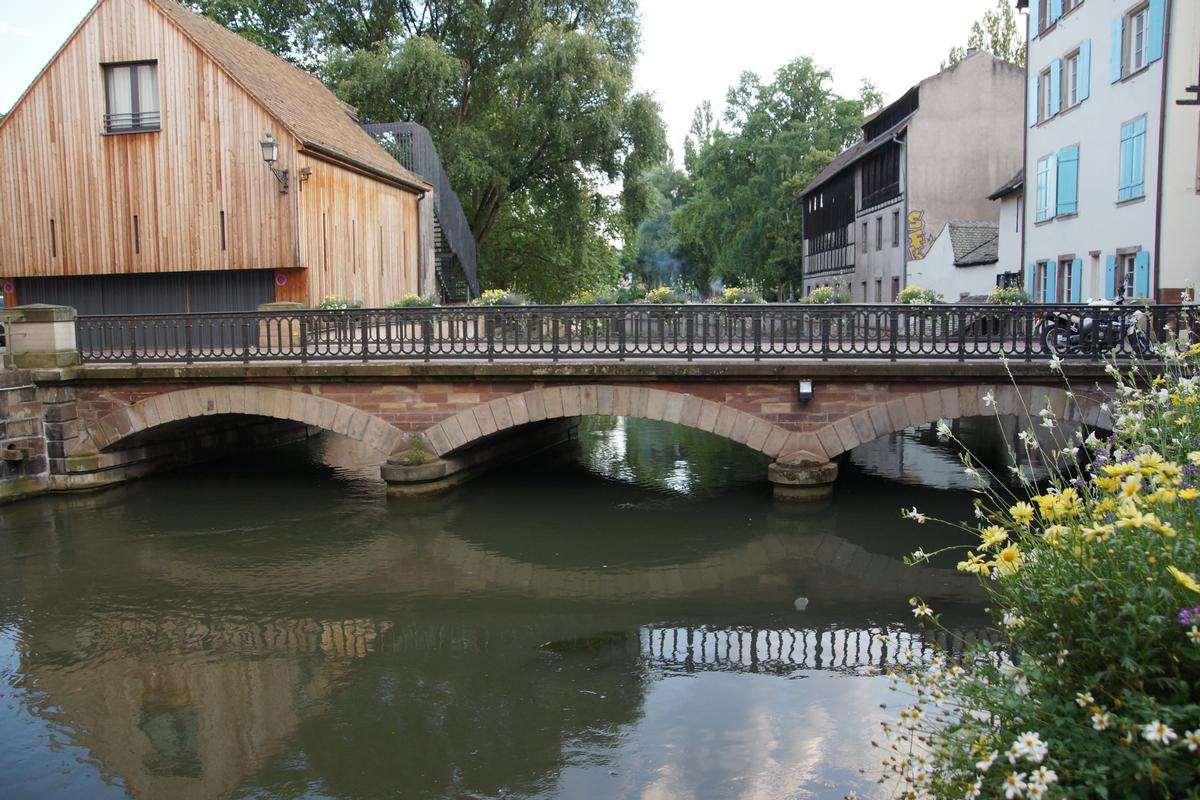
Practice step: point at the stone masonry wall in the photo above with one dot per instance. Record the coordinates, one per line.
(25, 469)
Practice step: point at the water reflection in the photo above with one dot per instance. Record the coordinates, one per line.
(628, 624)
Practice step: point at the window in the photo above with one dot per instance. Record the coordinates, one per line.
(864, 292)
(881, 176)
(1068, 5)
(895, 289)
(131, 97)
(895, 229)
(864, 237)
(1043, 15)
(1138, 19)
(879, 233)
(1126, 270)
(1133, 160)
(1041, 275)
(1065, 276)
(1043, 190)
(1045, 97)
(879, 290)
(1071, 76)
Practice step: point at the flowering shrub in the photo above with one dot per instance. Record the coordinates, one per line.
(332, 302)
(594, 299)
(664, 295)
(1008, 296)
(740, 296)
(499, 297)
(915, 295)
(413, 301)
(826, 295)
(1092, 688)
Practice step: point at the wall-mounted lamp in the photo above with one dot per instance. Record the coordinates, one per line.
(804, 389)
(270, 154)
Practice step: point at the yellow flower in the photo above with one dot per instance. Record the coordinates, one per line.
(974, 565)
(1183, 579)
(1097, 533)
(1120, 469)
(1104, 506)
(1069, 503)
(1108, 484)
(1022, 512)
(992, 535)
(1162, 527)
(1194, 457)
(1189, 494)
(1055, 532)
(1128, 516)
(1008, 560)
(1164, 495)
(1132, 485)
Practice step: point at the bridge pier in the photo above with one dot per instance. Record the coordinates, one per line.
(802, 477)
(416, 472)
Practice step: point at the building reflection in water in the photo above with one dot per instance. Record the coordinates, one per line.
(272, 632)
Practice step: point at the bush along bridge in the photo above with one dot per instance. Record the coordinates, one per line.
(442, 393)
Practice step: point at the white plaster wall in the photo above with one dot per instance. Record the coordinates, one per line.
(1095, 125)
(936, 271)
(1179, 249)
(1010, 234)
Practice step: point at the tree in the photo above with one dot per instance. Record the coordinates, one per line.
(530, 103)
(998, 33)
(740, 220)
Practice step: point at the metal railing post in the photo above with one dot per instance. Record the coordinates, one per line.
(489, 327)
(366, 333)
(757, 327)
(894, 334)
(962, 337)
(621, 335)
(187, 342)
(133, 352)
(303, 340)
(825, 338)
(689, 333)
(427, 336)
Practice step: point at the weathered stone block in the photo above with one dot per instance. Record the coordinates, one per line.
(517, 409)
(656, 403)
(741, 427)
(846, 434)
(709, 411)
(760, 429)
(674, 407)
(572, 403)
(553, 399)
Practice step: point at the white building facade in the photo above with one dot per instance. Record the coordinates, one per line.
(1099, 118)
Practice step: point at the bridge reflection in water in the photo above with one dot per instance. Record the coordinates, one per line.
(271, 633)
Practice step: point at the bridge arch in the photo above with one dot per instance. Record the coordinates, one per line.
(922, 408)
(107, 432)
(894, 412)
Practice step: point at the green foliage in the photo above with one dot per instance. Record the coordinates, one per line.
(499, 297)
(333, 302)
(664, 295)
(915, 295)
(1092, 583)
(1008, 296)
(531, 106)
(739, 296)
(739, 219)
(998, 33)
(826, 295)
(632, 294)
(594, 299)
(413, 301)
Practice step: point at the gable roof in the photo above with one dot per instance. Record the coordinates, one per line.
(1014, 185)
(854, 153)
(974, 243)
(302, 104)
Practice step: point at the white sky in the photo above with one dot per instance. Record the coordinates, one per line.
(692, 50)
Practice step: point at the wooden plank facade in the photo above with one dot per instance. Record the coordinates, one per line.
(193, 195)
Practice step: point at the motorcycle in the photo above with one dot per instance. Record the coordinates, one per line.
(1067, 333)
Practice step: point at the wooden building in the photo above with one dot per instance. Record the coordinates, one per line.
(132, 177)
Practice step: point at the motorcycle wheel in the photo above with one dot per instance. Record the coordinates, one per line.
(1056, 337)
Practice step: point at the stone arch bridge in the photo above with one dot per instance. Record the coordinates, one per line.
(441, 422)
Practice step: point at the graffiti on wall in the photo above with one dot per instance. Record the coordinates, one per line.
(916, 234)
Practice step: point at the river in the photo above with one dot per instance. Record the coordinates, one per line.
(637, 619)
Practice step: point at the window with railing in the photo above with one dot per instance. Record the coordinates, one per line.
(881, 176)
(131, 97)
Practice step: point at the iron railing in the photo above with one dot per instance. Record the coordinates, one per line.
(132, 121)
(619, 332)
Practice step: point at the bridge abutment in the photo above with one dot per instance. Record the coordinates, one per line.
(802, 477)
(416, 472)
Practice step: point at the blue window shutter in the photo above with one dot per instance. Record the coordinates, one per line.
(1085, 70)
(1141, 274)
(1068, 181)
(1118, 50)
(1034, 8)
(1154, 44)
(1056, 86)
(1110, 278)
(1051, 183)
(1033, 101)
(1055, 10)
(1139, 158)
(1076, 280)
(1030, 271)
(1126, 167)
(1051, 290)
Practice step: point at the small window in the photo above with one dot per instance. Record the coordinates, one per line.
(1128, 270)
(1043, 15)
(864, 237)
(1137, 23)
(1040, 279)
(895, 289)
(1043, 190)
(1065, 274)
(1044, 97)
(879, 290)
(1071, 78)
(879, 233)
(895, 229)
(131, 97)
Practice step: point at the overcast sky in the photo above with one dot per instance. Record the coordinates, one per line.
(692, 50)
